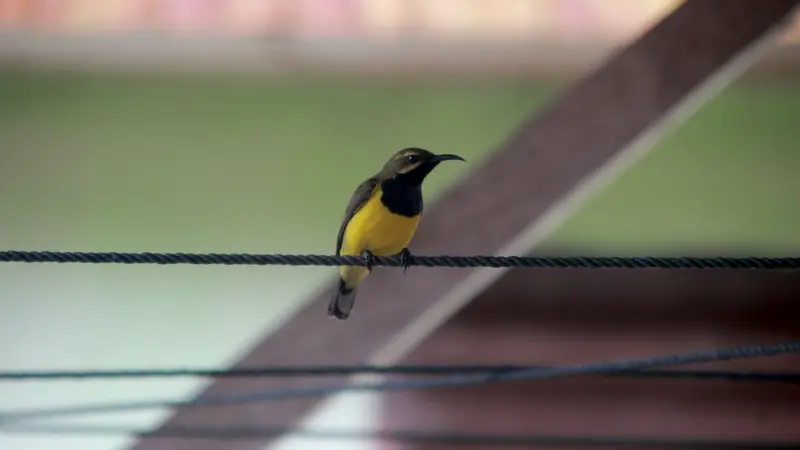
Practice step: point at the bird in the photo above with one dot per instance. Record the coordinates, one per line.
(381, 219)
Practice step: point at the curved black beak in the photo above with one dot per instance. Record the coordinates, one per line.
(440, 158)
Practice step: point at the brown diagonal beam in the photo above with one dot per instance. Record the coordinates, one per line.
(508, 203)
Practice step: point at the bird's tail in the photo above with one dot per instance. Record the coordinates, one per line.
(342, 302)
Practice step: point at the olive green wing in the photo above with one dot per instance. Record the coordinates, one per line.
(360, 196)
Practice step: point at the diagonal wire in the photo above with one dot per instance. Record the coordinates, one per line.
(403, 436)
(594, 262)
(413, 370)
(440, 382)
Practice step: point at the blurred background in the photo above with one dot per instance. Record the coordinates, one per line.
(244, 126)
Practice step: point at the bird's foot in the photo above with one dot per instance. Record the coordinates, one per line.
(369, 259)
(405, 259)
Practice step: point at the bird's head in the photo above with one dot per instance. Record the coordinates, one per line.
(414, 164)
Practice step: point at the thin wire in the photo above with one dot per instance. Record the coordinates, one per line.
(717, 262)
(414, 370)
(413, 437)
(439, 382)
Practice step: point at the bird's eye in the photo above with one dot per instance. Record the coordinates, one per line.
(411, 158)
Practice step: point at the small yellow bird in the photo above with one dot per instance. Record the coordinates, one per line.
(381, 219)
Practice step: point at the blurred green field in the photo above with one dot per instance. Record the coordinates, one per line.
(726, 181)
(222, 164)
(162, 163)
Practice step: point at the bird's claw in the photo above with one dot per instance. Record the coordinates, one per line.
(369, 259)
(405, 259)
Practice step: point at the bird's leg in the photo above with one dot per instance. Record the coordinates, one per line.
(405, 259)
(369, 259)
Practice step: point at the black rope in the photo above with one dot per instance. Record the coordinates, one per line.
(8, 417)
(414, 370)
(404, 436)
(594, 262)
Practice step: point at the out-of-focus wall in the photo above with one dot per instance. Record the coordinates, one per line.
(366, 19)
(468, 35)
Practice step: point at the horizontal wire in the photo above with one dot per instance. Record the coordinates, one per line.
(594, 262)
(404, 436)
(415, 370)
(273, 395)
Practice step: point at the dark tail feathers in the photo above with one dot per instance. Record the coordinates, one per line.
(342, 303)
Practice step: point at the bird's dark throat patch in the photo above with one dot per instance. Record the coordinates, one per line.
(401, 197)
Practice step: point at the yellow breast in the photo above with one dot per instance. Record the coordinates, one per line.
(378, 230)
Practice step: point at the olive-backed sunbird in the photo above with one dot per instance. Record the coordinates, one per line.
(381, 219)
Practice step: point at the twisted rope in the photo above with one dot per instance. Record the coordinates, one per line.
(226, 433)
(12, 417)
(408, 370)
(593, 262)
